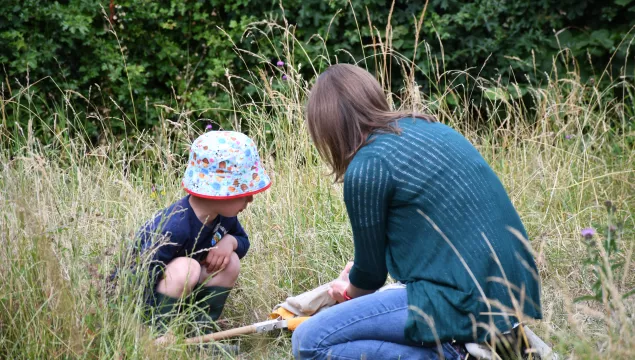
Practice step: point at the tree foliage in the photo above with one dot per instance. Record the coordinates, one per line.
(140, 54)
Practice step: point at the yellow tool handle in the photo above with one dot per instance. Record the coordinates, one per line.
(293, 323)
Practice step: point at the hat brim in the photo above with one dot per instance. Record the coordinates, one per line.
(226, 197)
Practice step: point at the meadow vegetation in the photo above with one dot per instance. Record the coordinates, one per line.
(70, 207)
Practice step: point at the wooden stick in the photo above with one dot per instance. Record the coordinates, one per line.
(244, 330)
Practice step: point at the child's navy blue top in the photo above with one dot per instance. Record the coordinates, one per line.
(176, 231)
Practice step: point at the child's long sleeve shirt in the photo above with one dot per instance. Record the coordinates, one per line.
(176, 231)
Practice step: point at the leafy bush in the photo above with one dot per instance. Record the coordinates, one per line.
(144, 57)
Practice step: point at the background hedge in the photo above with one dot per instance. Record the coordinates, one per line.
(174, 53)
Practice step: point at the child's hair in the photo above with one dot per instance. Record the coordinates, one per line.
(345, 106)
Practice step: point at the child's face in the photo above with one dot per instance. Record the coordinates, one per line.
(230, 208)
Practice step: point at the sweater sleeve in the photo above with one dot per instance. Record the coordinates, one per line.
(367, 189)
(163, 239)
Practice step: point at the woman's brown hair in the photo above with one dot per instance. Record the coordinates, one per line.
(345, 105)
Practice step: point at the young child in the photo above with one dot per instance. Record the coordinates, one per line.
(196, 243)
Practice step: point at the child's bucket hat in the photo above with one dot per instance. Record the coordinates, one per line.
(224, 165)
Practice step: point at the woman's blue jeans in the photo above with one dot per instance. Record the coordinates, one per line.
(369, 327)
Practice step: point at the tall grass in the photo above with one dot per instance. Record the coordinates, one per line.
(69, 208)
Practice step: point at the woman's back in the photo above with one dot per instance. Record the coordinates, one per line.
(398, 188)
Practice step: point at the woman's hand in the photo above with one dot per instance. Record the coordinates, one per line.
(218, 256)
(337, 290)
(339, 285)
(346, 271)
(342, 285)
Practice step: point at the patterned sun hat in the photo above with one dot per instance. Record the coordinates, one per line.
(224, 165)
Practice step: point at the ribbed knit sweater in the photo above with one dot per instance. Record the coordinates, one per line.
(431, 168)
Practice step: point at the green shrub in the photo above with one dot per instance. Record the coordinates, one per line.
(180, 57)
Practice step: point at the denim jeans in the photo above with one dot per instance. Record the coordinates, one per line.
(369, 327)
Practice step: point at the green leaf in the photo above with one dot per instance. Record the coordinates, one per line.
(451, 99)
(628, 294)
(586, 298)
(496, 94)
(169, 25)
(516, 91)
(603, 38)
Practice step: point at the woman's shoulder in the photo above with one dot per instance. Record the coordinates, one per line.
(369, 160)
(409, 125)
(413, 134)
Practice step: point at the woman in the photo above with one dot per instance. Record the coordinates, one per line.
(425, 208)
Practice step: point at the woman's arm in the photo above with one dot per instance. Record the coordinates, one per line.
(367, 192)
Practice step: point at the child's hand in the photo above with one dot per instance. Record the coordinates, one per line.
(218, 256)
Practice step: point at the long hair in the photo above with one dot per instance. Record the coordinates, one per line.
(345, 106)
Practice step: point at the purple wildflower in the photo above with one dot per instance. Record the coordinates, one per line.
(208, 127)
(280, 63)
(568, 137)
(284, 77)
(588, 233)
